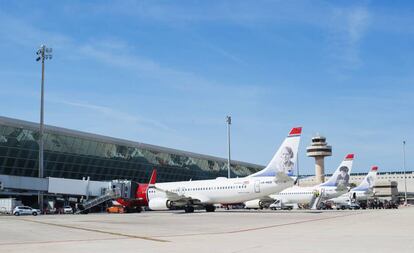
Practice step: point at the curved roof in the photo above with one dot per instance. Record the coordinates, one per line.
(75, 133)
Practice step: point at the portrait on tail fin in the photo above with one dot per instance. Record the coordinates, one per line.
(370, 181)
(342, 179)
(283, 160)
(286, 164)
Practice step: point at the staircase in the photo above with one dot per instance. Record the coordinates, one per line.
(111, 194)
(317, 198)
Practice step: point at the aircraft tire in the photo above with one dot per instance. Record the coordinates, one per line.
(189, 209)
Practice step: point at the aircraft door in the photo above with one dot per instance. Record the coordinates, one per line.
(257, 186)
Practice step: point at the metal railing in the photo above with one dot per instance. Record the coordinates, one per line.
(111, 194)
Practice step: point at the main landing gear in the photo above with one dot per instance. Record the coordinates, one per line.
(210, 208)
(190, 209)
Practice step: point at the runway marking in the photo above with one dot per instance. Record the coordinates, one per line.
(261, 228)
(97, 231)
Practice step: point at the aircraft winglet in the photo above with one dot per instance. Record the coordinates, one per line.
(295, 131)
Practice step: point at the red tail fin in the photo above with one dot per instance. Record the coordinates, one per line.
(153, 176)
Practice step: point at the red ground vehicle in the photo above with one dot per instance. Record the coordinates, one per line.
(141, 196)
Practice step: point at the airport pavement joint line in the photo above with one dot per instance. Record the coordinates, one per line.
(61, 241)
(97, 231)
(291, 223)
(260, 228)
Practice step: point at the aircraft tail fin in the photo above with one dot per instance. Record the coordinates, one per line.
(340, 177)
(369, 181)
(283, 162)
(153, 178)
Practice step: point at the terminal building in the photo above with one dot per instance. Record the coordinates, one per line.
(76, 155)
(389, 185)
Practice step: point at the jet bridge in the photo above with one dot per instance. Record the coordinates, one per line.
(84, 187)
(94, 192)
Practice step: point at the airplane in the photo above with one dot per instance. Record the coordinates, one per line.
(205, 193)
(362, 192)
(334, 187)
(141, 196)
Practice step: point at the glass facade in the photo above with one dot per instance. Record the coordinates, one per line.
(73, 154)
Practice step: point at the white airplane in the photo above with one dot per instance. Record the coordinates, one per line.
(334, 187)
(206, 193)
(362, 192)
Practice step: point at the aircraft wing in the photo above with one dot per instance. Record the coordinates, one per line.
(267, 198)
(173, 196)
(342, 188)
(283, 178)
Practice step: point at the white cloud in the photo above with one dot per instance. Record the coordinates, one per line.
(348, 27)
(21, 33)
(358, 20)
(120, 54)
(185, 81)
(226, 54)
(115, 114)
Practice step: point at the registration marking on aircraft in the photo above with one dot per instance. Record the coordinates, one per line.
(97, 231)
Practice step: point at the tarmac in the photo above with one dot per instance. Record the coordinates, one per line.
(221, 231)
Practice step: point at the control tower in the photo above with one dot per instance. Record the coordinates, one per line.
(319, 149)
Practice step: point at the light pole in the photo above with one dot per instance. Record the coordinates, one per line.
(228, 120)
(297, 167)
(43, 53)
(405, 176)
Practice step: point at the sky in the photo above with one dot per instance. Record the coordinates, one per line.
(168, 72)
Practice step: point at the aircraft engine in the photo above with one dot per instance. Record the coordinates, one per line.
(254, 204)
(159, 204)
